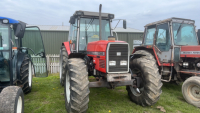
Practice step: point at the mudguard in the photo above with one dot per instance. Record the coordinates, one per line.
(67, 46)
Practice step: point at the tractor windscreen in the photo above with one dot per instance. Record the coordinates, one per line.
(89, 31)
(184, 34)
(4, 53)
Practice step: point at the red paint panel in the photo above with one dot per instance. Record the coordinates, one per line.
(97, 67)
(99, 46)
(67, 46)
(189, 51)
(190, 48)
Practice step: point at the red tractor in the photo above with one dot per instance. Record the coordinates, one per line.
(173, 45)
(93, 51)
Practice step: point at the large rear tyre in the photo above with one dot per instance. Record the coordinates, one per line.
(76, 86)
(150, 88)
(63, 63)
(12, 100)
(191, 90)
(26, 73)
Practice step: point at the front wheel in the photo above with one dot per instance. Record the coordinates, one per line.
(76, 86)
(191, 90)
(63, 63)
(26, 73)
(12, 100)
(150, 88)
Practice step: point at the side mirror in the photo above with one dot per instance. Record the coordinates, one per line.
(72, 20)
(20, 29)
(124, 24)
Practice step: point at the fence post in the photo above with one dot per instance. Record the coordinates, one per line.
(48, 66)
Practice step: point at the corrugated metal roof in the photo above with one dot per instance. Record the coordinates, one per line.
(52, 27)
(66, 28)
(120, 29)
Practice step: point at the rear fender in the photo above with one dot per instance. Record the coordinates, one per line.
(67, 47)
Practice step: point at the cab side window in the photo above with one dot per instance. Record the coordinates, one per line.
(163, 41)
(149, 37)
(73, 34)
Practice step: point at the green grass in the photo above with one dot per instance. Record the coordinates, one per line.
(47, 96)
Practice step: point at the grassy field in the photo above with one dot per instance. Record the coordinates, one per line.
(47, 96)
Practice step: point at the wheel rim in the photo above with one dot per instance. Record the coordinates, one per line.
(137, 91)
(60, 67)
(30, 74)
(67, 83)
(194, 92)
(19, 105)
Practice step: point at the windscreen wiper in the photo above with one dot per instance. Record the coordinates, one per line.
(179, 29)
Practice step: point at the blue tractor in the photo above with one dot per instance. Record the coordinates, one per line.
(19, 43)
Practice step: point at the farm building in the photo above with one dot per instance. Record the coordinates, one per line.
(53, 36)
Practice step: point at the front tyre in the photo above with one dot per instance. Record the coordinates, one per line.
(26, 73)
(63, 63)
(76, 86)
(150, 88)
(191, 90)
(12, 100)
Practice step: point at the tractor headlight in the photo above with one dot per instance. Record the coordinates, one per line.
(112, 63)
(198, 65)
(123, 63)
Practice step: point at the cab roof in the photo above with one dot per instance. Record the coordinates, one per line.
(92, 14)
(10, 20)
(173, 19)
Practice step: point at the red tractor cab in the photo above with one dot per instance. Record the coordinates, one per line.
(92, 50)
(174, 46)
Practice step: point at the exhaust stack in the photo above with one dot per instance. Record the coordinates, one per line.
(100, 21)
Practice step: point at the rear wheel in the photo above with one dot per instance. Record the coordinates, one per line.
(63, 62)
(26, 73)
(191, 90)
(12, 100)
(150, 88)
(76, 86)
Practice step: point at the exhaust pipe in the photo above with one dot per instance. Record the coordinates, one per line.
(100, 21)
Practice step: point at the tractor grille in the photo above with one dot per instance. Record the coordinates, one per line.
(113, 50)
(102, 63)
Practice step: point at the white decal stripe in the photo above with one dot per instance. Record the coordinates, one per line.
(190, 52)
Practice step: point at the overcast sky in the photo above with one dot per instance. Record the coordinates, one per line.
(137, 12)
